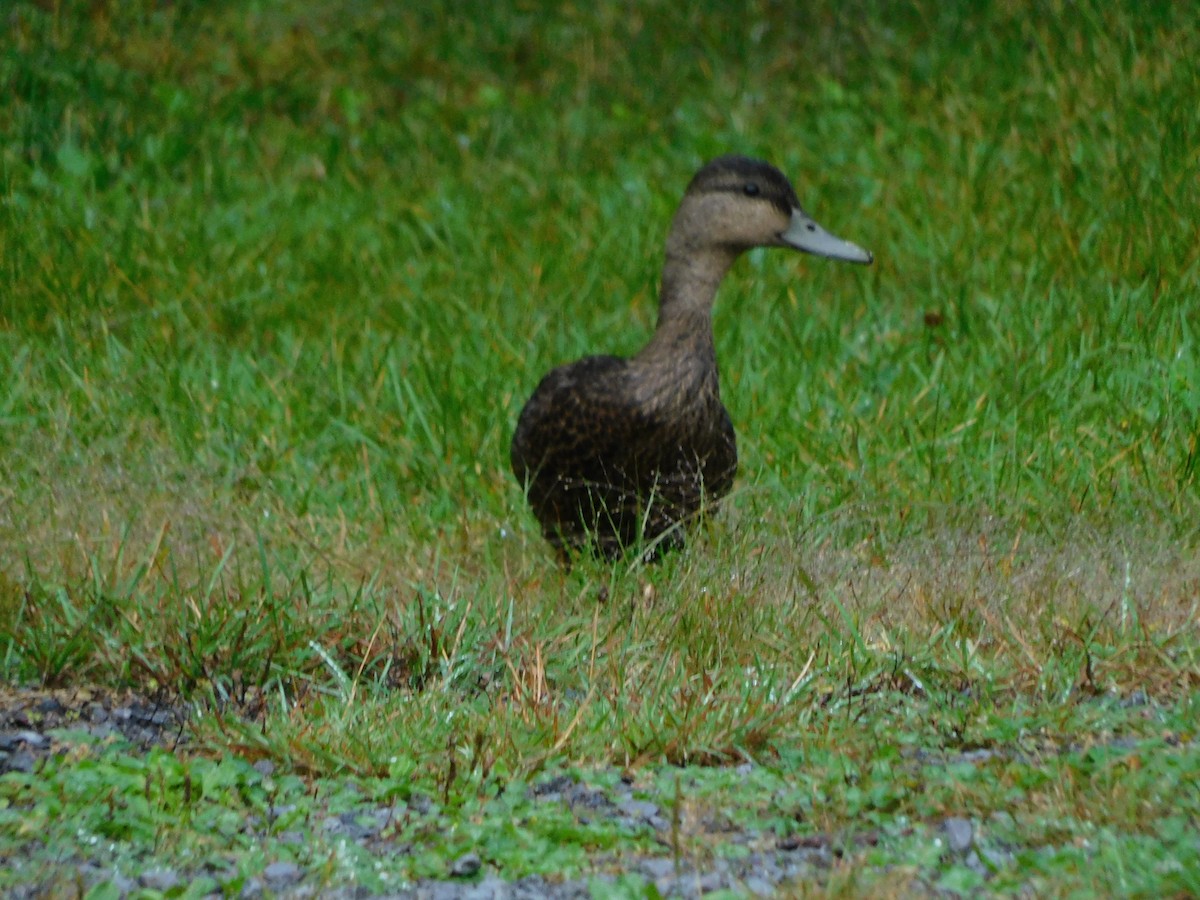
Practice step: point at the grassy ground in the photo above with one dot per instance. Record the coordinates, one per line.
(275, 279)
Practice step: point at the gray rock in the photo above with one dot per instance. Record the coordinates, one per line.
(711, 881)
(658, 867)
(759, 886)
(92, 873)
(420, 804)
(960, 834)
(588, 798)
(1002, 818)
(21, 761)
(992, 859)
(122, 883)
(12, 740)
(161, 879)
(638, 809)
(281, 873)
(555, 786)
(466, 865)
(152, 716)
(491, 887)
(34, 739)
(359, 826)
(976, 864)
(981, 755)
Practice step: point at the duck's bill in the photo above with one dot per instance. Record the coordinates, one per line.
(805, 234)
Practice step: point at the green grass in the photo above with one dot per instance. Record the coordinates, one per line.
(276, 279)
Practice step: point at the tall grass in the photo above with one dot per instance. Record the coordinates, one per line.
(277, 279)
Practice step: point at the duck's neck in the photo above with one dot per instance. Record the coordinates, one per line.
(689, 287)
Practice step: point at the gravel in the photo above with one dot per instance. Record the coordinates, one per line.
(29, 719)
(30, 722)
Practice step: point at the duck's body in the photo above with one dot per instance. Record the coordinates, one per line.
(615, 450)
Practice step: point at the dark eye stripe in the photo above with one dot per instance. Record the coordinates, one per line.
(778, 195)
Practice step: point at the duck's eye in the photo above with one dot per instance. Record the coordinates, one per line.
(750, 189)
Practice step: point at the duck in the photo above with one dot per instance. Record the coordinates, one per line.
(616, 452)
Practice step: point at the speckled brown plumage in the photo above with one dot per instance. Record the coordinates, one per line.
(612, 450)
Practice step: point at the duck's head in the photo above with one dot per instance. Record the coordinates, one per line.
(736, 203)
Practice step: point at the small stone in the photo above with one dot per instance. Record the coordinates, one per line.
(764, 866)
(641, 809)
(529, 886)
(554, 786)
(160, 879)
(759, 887)
(466, 865)
(959, 834)
(446, 890)
(21, 761)
(658, 867)
(982, 755)
(1002, 819)
(348, 824)
(490, 888)
(34, 739)
(387, 815)
(103, 731)
(588, 798)
(976, 864)
(121, 883)
(711, 881)
(265, 767)
(818, 841)
(992, 859)
(281, 873)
